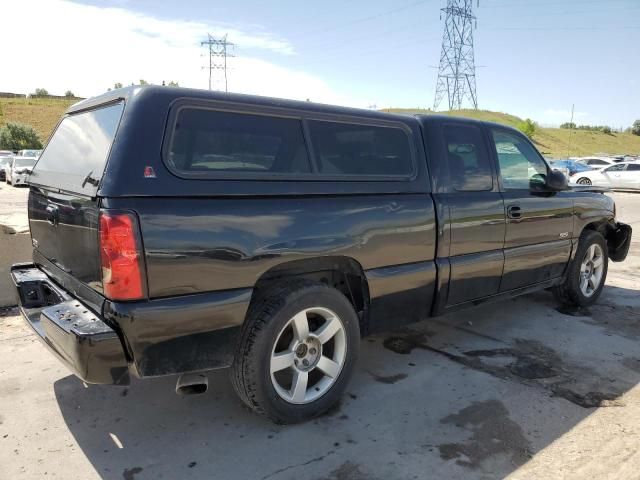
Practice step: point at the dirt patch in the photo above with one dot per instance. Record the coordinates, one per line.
(492, 433)
(574, 311)
(388, 379)
(632, 363)
(587, 400)
(615, 319)
(528, 362)
(130, 473)
(532, 359)
(348, 471)
(405, 344)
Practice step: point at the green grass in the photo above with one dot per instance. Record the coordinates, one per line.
(43, 115)
(553, 142)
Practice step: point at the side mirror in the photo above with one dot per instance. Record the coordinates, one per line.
(556, 181)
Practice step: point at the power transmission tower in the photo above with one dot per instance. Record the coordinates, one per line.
(218, 54)
(457, 71)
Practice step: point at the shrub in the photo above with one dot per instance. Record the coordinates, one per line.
(69, 94)
(568, 125)
(16, 136)
(528, 127)
(606, 130)
(40, 92)
(635, 129)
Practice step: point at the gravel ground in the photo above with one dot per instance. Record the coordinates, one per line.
(518, 389)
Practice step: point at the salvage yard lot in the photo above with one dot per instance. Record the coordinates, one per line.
(517, 389)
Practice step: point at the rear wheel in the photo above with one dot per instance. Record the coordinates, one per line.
(297, 352)
(584, 181)
(586, 273)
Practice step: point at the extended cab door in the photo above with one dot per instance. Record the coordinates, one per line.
(539, 223)
(471, 209)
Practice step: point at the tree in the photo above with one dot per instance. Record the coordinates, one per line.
(635, 129)
(117, 85)
(173, 83)
(528, 127)
(69, 94)
(143, 82)
(16, 136)
(568, 125)
(606, 129)
(40, 92)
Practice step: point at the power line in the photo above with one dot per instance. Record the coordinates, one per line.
(356, 21)
(457, 71)
(218, 54)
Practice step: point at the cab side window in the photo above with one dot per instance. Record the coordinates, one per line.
(615, 168)
(469, 164)
(633, 167)
(521, 167)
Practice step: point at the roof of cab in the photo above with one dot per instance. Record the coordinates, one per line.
(442, 118)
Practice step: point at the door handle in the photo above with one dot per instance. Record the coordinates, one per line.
(52, 215)
(513, 211)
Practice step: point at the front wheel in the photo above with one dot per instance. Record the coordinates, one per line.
(298, 350)
(584, 181)
(586, 273)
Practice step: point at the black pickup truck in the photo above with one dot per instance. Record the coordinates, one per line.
(177, 231)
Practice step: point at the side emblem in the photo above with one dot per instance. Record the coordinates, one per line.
(564, 234)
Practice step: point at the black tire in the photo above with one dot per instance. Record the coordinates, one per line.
(268, 315)
(584, 181)
(569, 292)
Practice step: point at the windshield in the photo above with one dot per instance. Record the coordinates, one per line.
(4, 161)
(30, 153)
(24, 162)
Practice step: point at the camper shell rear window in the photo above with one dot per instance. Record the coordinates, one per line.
(75, 157)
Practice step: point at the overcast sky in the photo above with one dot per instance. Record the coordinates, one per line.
(537, 58)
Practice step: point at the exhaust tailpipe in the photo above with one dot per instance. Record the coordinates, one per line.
(192, 384)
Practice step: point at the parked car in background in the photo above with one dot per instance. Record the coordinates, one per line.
(623, 175)
(5, 162)
(596, 161)
(6, 153)
(19, 170)
(569, 167)
(29, 153)
(269, 235)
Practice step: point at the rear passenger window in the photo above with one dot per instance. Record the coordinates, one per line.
(352, 149)
(469, 164)
(208, 141)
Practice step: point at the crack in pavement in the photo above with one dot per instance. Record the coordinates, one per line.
(289, 467)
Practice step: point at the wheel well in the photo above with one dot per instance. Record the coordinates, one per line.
(601, 226)
(341, 273)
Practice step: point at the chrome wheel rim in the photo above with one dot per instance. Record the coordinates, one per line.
(584, 181)
(591, 270)
(308, 355)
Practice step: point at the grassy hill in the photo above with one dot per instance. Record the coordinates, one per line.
(43, 114)
(554, 142)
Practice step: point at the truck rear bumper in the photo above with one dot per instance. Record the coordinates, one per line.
(87, 345)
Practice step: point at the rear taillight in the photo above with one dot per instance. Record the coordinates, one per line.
(121, 256)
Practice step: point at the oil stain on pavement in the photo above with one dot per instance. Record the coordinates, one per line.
(492, 433)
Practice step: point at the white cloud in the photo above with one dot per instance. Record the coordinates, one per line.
(86, 49)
